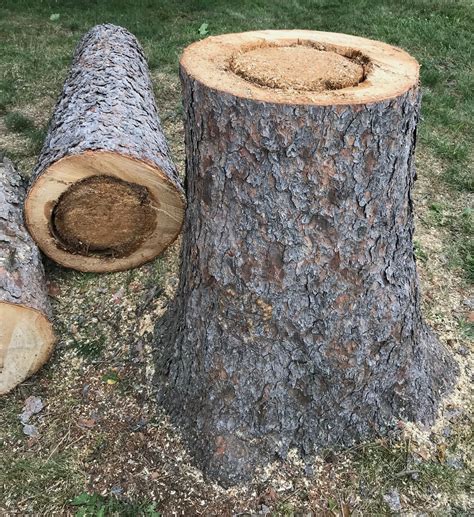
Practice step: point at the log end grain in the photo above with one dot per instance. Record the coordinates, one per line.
(26, 343)
(99, 211)
(105, 193)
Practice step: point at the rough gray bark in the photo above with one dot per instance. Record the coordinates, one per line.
(26, 334)
(21, 270)
(107, 104)
(297, 321)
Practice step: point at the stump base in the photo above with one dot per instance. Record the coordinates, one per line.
(297, 322)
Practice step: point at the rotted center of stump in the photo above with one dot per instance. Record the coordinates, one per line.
(298, 67)
(103, 215)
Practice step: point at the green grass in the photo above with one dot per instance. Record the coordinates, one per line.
(382, 467)
(37, 50)
(420, 253)
(46, 482)
(460, 251)
(95, 505)
(90, 347)
(19, 123)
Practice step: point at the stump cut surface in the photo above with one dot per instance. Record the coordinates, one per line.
(298, 68)
(301, 67)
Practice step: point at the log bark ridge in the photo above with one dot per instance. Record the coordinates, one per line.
(106, 125)
(297, 321)
(26, 334)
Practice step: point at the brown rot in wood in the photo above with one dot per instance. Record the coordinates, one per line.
(298, 67)
(103, 215)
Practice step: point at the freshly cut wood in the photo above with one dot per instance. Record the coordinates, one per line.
(26, 333)
(297, 322)
(105, 194)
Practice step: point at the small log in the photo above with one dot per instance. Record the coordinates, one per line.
(297, 322)
(105, 194)
(26, 333)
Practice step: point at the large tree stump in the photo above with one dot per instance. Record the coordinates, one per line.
(105, 194)
(26, 334)
(297, 321)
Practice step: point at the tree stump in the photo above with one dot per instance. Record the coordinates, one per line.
(105, 194)
(26, 333)
(297, 322)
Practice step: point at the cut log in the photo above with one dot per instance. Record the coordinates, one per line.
(297, 321)
(105, 194)
(26, 333)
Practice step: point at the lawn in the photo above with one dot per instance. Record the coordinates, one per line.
(104, 447)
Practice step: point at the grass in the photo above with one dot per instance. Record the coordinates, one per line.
(37, 52)
(90, 347)
(94, 505)
(19, 123)
(39, 478)
(460, 228)
(389, 466)
(35, 55)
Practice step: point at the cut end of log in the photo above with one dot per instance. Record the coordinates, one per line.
(301, 67)
(88, 212)
(103, 216)
(26, 342)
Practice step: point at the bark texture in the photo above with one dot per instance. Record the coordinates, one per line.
(26, 334)
(107, 104)
(21, 270)
(297, 321)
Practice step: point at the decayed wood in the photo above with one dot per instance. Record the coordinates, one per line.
(297, 321)
(105, 123)
(26, 334)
